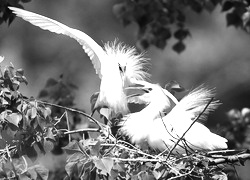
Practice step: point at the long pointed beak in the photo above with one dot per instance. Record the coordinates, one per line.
(122, 77)
(93, 111)
(145, 89)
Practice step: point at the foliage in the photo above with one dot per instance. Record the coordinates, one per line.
(237, 128)
(31, 128)
(160, 20)
(5, 13)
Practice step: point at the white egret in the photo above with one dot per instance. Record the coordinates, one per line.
(163, 131)
(117, 65)
(138, 125)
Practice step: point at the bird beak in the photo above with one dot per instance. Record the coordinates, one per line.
(146, 89)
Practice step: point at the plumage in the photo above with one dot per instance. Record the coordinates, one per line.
(163, 131)
(138, 125)
(116, 64)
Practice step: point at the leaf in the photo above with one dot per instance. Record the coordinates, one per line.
(47, 112)
(33, 112)
(75, 163)
(93, 100)
(19, 72)
(48, 145)
(118, 166)
(51, 82)
(87, 168)
(219, 175)
(14, 118)
(209, 6)
(242, 161)
(43, 93)
(25, 1)
(246, 18)
(41, 171)
(49, 134)
(196, 5)
(70, 168)
(160, 43)
(179, 47)
(233, 19)
(95, 148)
(1, 59)
(3, 174)
(31, 152)
(108, 163)
(104, 165)
(181, 34)
(15, 85)
(31, 173)
(78, 156)
(227, 6)
(144, 43)
(72, 147)
(157, 174)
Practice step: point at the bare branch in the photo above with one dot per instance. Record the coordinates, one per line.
(73, 110)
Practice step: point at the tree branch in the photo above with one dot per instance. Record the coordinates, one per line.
(73, 110)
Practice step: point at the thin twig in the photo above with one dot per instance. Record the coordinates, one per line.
(229, 159)
(135, 160)
(132, 150)
(73, 110)
(82, 130)
(136, 149)
(182, 175)
(68, 124)
(26, 164)
(11, 162)
(60, 118)
(194, 121)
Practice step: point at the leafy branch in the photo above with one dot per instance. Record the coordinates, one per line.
(31, 127)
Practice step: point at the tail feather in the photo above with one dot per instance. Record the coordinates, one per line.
(197, 100)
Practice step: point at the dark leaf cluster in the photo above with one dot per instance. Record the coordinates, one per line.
(160, 20)
(5, 13)
(25, 125)
(237, 128)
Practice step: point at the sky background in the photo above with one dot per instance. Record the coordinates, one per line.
(216, 55)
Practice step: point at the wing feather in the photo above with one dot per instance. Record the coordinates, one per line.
(91, 48)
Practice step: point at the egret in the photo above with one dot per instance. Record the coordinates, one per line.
(162, 131)
(117, 65)
(138, 125)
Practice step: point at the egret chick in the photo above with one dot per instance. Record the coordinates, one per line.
(138, 125)
(162, 131)
(166, 131)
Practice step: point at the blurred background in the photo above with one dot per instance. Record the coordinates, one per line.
(216, 55)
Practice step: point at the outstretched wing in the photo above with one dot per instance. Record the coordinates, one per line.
(94, 51)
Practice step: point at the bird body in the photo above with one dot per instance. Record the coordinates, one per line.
(138, 125)
(168, 130)
(117, 65)
(163, 131)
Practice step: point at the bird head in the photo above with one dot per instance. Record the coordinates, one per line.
(132, 65)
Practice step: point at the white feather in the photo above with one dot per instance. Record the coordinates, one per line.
(138, 125)
(94, 51)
